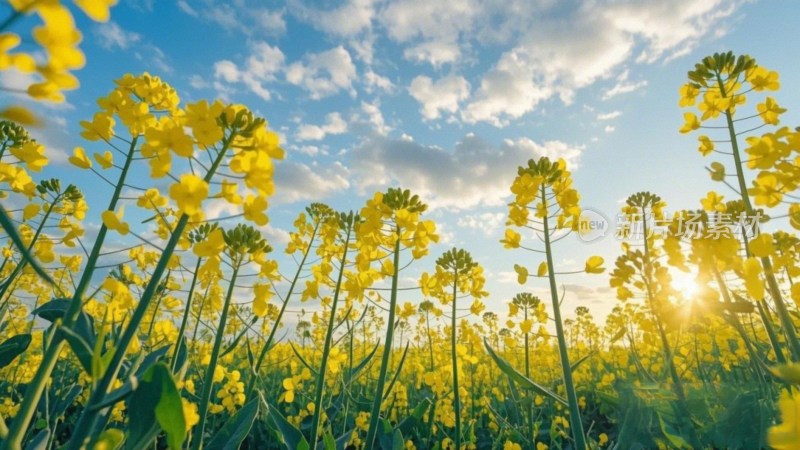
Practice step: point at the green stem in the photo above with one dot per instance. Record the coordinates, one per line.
(677, 384)
(22, 264)
(528, 374)
(252, 383)
(327, 347)
(454, 356)
(185, 319)
(374, 417)
(85, 426)
(208, 382)
(572, 398)
(33, 393)
(772, 283)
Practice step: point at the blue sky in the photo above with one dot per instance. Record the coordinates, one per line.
(446, 98)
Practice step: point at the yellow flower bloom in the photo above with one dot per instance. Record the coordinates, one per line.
(762, 245)
(97, 10)
(189, 193)
(114, 221)
(19, 114)
(594, 265)
(254, 207)
(212, 245)
(79, 159)
(512, 239)
(101, 127)
(786, 435)
(751, 271)
(706, 145)
(769, 111)
(106, 160)
(522, 274)
(32, 154)
(690, 122)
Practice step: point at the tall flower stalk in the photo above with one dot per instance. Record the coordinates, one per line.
(391, 222)
(546, 203)
(457, 276)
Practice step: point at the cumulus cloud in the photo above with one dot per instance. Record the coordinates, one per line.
(334, 124)
(432, 29)
(242, 16)
(295, 181)
(260, 68)
(371, 116)
(344, 20)
(508, 91)
(488, 223)
(473, 173)
(439, 96)
(565, 49)
(111, 36)
(609, 115)
(623, 86)
(324, 74)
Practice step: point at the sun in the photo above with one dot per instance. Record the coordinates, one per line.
(685, 283)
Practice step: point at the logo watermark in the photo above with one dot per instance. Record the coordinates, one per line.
(592, 225)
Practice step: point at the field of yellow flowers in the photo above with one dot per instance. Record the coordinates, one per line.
(164, 350)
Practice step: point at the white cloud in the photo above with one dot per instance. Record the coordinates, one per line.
(609, 115)
(241, 16)
(271, 22)
(436, 53)
(609, 128)
(439, 96)
(324, 74)
(261, 67)
(296, 181)
(433, 28)
(184, 6)
(668, 28)
(154, 59)
(508, 91)
(374, 117)
(374, 82)
(623, 86)
(348, 19)
(488, 223)
(473, 173)
(334, 124)
(277, 237)
(223, 15)
(574, 45)
(111, 36)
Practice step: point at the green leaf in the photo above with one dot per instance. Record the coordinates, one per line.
(396, 373)
(620, 334)
(408, 423)
(360, 366)
(13, 347)
(81, 336)
(52, 310)
(39, 442)
(231, 435)
(398, 443)
(577, 363)
(110, 439)
(328, 442)
(303, 360)
(11, 231)
(676, 440)
(292, 437)
(156, 404)
(386, 435)
(522, 380)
